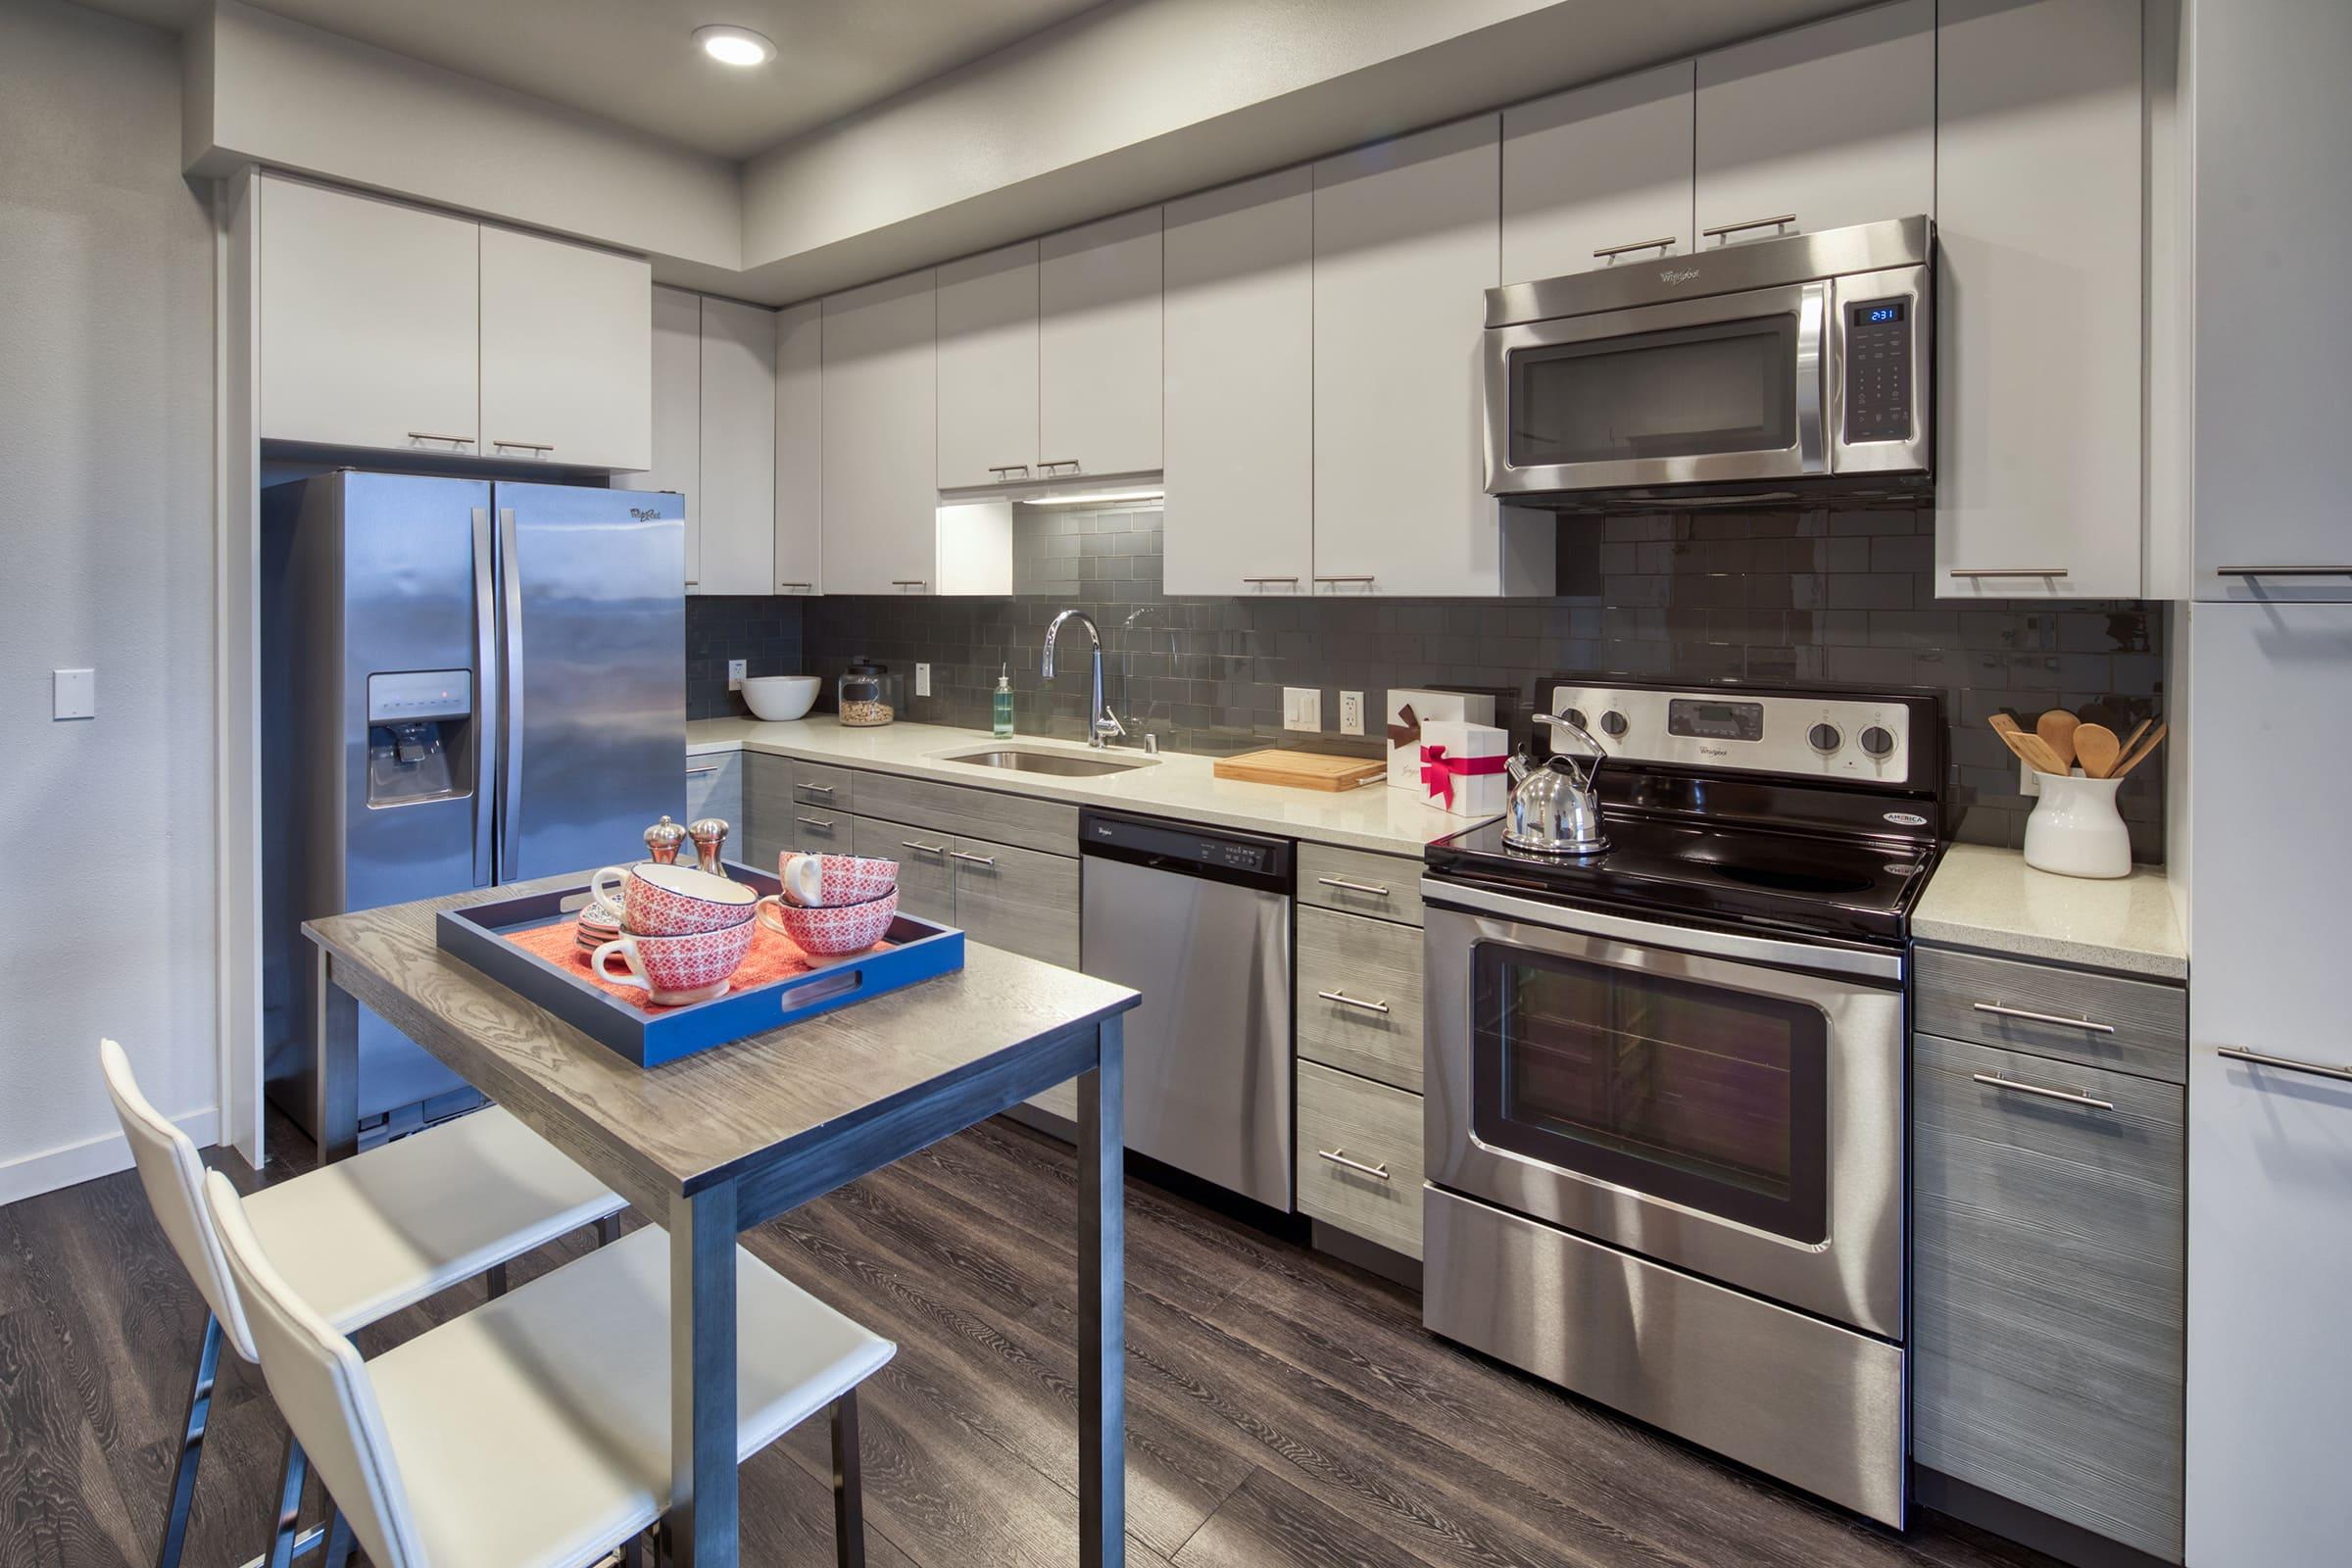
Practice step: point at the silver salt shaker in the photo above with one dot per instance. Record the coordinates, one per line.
(663, 840)
(710, 841)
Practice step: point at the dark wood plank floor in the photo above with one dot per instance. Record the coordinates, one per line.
(1285, 1408)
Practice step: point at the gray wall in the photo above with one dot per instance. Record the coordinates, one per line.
(106, 414)
(1807, 597)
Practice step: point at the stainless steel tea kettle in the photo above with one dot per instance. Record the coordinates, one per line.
(1555, 810)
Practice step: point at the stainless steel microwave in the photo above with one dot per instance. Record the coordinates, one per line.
(1772, 371)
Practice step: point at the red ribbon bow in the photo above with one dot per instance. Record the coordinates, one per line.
(1439, 771)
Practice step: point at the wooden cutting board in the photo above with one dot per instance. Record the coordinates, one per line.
(1302, 770)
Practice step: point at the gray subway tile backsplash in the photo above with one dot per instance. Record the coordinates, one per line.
(1772, 596)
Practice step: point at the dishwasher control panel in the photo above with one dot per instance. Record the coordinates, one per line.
(1173, 847)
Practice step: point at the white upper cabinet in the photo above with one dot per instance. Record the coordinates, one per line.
(1824, 126)
(566, 339)
(1239, 382)
(988, 352)
(738, 500)
(1598, 175)
(1099, 348)
(1407, 237)
(881, 404)
(800, 448)
(677, 362)
(370, 316)
(2039, 300)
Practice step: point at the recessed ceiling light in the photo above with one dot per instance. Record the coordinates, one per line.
(735, 46)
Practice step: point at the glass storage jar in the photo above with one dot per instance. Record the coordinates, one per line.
(868, 695)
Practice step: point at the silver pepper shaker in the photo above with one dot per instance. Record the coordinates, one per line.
(663, 840)
(710, 841)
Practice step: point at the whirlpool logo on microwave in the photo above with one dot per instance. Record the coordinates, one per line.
(1678, 274)
(645, 513)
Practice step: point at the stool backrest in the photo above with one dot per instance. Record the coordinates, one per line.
(173, 1178)
(323, 1391)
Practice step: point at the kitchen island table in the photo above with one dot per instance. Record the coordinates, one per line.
(717, 1142)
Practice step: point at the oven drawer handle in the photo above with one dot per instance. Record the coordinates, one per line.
(1347, 1000)
(1341, 882)
(2318, 1070)
(1339, 1156)
(1999, 1012)
(1996, 1081)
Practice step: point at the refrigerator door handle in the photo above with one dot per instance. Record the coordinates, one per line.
(487, 732)
(510, 766)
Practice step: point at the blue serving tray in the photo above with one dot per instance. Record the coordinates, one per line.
(476, 934)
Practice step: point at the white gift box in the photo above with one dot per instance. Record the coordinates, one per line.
(1463, 768)
(1409, 711)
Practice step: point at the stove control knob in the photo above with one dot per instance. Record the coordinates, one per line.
(1612, 724)
(1825, 738)
(1575, 716)
(1878, 741)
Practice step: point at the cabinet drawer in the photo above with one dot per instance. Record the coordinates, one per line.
(815, 784)
(1360, 882)
(984, 814)
(814, 830)
(2127, 1025)
(1377, 1127)
(1376, 966)
(2047, 1287)
(1023, 901)
(715, 788)
(926, 873)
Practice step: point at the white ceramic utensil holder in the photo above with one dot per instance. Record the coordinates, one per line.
(2076, 830)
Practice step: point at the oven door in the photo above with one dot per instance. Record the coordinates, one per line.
(1728, 1103)
(1727, 388)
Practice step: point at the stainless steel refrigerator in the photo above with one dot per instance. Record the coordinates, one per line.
(465, 683)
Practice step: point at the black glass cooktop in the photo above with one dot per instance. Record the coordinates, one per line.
(1851, 887)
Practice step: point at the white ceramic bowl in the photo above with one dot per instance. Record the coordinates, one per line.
(780, 696)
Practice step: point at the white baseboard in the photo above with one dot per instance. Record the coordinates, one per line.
(31, 1175)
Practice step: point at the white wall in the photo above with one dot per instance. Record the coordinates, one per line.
(106, 420)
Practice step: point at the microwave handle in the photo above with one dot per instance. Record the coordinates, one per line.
(1812, 373)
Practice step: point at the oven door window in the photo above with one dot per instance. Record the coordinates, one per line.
(1713, 1099)
(1686, 392)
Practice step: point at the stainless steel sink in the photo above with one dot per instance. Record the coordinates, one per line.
(1023, 760)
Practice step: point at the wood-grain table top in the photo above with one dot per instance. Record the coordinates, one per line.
(686, 1124)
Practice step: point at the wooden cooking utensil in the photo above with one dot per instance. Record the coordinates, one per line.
(2137, 730)
(2140, 754)
(2032, 750)
(2057, 731)
(2097, 749)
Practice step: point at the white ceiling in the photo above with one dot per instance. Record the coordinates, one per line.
(636, 62)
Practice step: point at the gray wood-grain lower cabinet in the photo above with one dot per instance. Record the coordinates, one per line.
(1359, 996)
(926, 874)
(1023, 901)
(715, 788)
(1360, 1158)
(2048, 1273)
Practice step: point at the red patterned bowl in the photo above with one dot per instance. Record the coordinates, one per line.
(671, 900)
(832, 931)
(820, 881)
(676, 970)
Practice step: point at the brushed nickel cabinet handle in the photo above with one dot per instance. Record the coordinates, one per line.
(428, 435)
(1664, 244)
(1358, 577)
(1996, 1081)
(1339, 1156)
(1022, 468)
(1058, 463)
(803, 586)
(825, 822)
(526, 446)
(1293, 577)
(1347, 1000)
(2282, 571)
(2255, 1058)
(706, 767)
(1372, 888)
(971, 859)
(1780, 221)
(2008, 571)
(1999, 1012)
(908, 582)
(815, 789)
(923, 848)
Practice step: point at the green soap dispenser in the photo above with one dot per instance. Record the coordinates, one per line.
(1001, 727)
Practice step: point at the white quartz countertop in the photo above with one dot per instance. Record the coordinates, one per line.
(1990, 899)
(1177, 784)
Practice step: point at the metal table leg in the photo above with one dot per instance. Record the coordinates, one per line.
(704, 1522)
(1102, 1296)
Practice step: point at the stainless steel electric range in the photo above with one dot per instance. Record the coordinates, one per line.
(1665, 1085)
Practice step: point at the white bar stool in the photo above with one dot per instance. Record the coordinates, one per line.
(534, 1431)
(357, 1240)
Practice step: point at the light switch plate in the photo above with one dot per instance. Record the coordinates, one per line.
(1302, 708)
(74, 694)
(1351, 713)
(922, 680)
(737, 668)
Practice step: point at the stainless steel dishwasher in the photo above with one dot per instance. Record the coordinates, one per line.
(1200, 923)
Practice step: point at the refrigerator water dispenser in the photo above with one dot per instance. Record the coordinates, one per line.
(419, 736)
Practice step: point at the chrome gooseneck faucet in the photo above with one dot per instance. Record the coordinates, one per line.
(1101, 723)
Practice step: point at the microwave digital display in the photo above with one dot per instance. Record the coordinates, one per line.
(1872, 315)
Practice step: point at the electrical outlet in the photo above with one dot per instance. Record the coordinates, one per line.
(737, 668)
(1302, 708)
(1351, 713)
(922, 680)
(74, 694)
